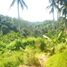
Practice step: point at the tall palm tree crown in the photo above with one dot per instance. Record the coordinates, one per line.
(56, 3)
(63, 4)
(52, 6)
(19, 3)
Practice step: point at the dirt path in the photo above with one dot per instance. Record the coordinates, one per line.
(42, 59)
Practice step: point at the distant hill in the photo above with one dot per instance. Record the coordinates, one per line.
(26, 28)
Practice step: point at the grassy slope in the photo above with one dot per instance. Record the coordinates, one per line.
(58, 60)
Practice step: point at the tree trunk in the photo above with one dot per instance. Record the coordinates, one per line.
(18, 9)
(65, 25)
(53, 16)
(58, 11)
(18, 24)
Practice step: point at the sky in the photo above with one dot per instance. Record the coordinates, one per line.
(36, 11)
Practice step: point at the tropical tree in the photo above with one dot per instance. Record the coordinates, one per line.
(19, 3)
(63, 7)
(52, 6)
(63, 4)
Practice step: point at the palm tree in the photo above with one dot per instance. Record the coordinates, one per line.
(19, 3)
(60, 1)
(52, 6)
(63, 4)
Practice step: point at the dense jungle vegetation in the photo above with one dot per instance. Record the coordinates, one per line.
(27, 45)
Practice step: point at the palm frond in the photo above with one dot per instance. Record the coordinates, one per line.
(52, 10)
(12, 3)
(24, 4)
(21, 5)
(50, 6)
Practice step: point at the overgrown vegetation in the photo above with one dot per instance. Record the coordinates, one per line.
(58, 60)
(24, 47)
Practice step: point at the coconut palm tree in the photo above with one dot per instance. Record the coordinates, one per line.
(52, 6)
(63, 4)
(19, 3)
(22, 4)
(55, 4)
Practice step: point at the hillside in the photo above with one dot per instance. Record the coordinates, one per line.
(31, 44)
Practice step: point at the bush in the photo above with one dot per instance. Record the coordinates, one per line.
(29, 56)
(10, 37)
(60, 47)
(2, 47)
(15, 45)
(11, 59)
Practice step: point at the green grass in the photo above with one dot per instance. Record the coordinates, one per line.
(57, 60)
(11, 59)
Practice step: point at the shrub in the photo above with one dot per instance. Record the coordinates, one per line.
(15, 45)
(11, 59)
(60, 47)
(10, 37)
(2, 47)
(29, 56)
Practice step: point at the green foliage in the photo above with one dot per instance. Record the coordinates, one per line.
(29, 57)
(6, 25)
(15, 45)
(60, 47)
(2, 47)
(10, 37)
(27, 29)
(58, 60)
(10, 59)
(24, 47)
